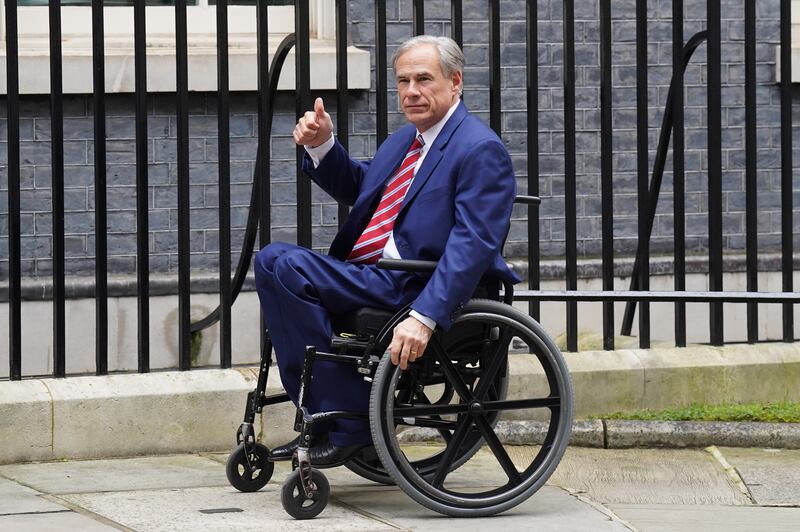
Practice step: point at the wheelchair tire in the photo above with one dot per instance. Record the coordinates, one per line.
(296, 503)
(471, 413)
(249, 473)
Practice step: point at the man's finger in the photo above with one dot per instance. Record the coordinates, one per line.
(394, 351)
(319, 108)
(310, 121)
(419, 348)
(415, 353)
(404, 355)
(305, 131)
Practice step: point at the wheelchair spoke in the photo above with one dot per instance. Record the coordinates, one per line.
(496, 360)
(442, 426)
(498, 450)
(451, 372)
(430, 410)
(459, 435)
(519, 404)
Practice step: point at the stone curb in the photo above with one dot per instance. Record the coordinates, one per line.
(621, 434)
(625, 434)
(130, 415)
(174, 412)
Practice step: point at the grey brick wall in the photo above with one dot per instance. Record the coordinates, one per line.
(162, 198)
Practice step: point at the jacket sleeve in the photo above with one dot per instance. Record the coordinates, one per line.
(484, 197)
(337, 174)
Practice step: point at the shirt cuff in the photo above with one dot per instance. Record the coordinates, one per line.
(318, 153)
(426, 321)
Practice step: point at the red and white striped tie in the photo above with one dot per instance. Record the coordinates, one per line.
(370, 244)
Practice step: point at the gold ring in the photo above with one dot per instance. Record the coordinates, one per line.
(414, 353)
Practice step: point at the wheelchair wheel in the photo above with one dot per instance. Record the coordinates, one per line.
(294, 500)
(427, 383)
(249, 472)
(469, 418)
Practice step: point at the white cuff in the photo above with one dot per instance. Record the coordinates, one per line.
(318, 153)
(426, 321)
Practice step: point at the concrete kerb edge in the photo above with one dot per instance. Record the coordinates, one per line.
(173, 412)
(626, 434)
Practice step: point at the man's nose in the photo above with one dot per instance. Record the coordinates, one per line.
(413, 89)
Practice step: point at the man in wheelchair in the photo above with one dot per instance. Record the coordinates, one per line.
(440, 188)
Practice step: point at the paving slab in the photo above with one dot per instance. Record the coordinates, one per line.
(179, 510)
(340, 478)
(124, 474)
(52, 522)
(771, 475)
(708, 518)
(17, 499)
(550, 508)
(647, 476)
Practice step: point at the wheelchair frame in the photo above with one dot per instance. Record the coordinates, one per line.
(306, 491)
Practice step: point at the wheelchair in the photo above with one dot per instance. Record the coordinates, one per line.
(460, 397)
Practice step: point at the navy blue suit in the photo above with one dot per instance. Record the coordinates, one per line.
(456, 212)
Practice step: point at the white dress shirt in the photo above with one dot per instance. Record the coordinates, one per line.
(429, 136)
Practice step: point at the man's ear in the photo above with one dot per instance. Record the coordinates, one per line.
(457, 81)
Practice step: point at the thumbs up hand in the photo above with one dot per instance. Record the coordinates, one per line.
(314, 127)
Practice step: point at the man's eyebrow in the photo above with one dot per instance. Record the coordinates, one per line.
(414, 73)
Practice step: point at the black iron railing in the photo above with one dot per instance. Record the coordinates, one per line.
(259, 219)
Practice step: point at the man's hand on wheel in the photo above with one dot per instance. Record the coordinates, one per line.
(410, 338)
(314, 127)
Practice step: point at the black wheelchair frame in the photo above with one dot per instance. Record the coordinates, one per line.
(480, 346)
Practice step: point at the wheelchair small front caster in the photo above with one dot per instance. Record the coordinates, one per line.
(249, 471)
(305, 502)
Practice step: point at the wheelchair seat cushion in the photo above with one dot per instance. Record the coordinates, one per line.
(364, 321)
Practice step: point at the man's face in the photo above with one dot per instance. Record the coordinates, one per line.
(425, 93)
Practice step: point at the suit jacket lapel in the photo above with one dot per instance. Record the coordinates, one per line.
(435, 154)
(388, 166)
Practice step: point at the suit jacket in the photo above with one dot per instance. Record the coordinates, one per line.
(457, 211)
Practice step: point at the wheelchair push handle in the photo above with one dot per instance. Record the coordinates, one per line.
(418, 266)
(528, 200)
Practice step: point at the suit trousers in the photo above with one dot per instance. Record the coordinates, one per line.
(298, 290)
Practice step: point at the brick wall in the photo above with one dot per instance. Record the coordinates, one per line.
(79, 194)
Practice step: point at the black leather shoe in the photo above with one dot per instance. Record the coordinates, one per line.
(329, 455)
(285, 451)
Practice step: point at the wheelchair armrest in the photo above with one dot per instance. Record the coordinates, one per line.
(420, 266)
(528, 200)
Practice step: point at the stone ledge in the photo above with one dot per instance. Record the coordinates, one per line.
(129, 415)
(174, 412)
(41, 289)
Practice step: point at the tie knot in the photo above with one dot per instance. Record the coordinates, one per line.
(417, 144)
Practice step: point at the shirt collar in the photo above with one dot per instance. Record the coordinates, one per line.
(432, 132)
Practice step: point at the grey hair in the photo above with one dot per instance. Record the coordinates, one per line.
(451, 58)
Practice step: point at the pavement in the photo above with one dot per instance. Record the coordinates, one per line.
(710, 489)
